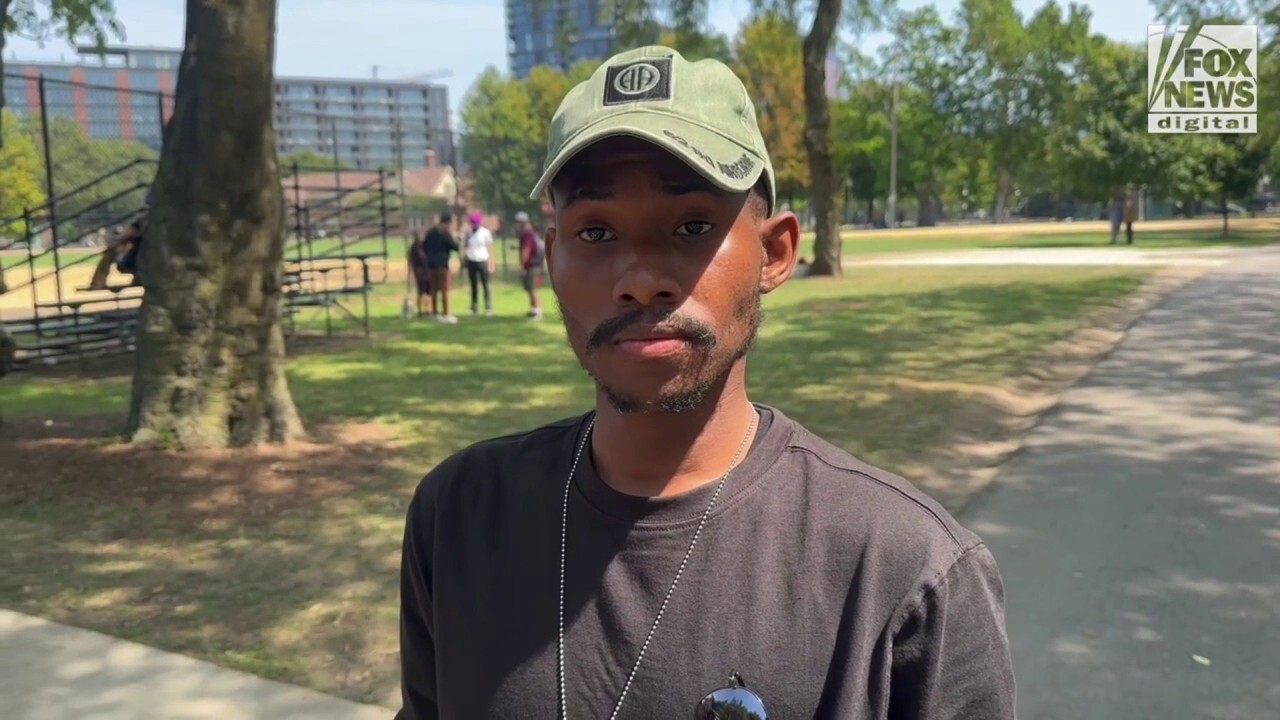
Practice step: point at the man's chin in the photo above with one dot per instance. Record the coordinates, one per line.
(664, 401)
(665, 405)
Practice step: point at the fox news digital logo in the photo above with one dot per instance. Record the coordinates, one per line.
(1202, 79)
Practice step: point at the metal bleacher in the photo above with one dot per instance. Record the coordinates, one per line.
(335, 254)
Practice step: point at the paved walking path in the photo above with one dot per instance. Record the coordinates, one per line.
(1138, 532)
(1107, 256)
(55, 672)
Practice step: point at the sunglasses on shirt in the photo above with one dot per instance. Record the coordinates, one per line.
(734, 702)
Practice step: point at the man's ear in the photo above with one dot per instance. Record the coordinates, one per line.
(548, 243)
(780, 236)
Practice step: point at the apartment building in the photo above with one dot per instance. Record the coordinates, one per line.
(126, 94)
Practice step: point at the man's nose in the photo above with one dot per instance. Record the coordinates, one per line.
(647, 280)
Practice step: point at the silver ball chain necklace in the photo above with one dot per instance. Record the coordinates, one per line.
(563, 697)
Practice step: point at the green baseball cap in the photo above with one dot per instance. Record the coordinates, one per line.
(698, 111)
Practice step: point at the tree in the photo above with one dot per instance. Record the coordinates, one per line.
(546, 87)
(695, 44)
(824, 178)
(1233, 165)
(108, 176)
(1015, 79)
(924, 59)
(504, 142)
(768, 60)
(1102, 143)
(505, 138)
(860, 149)
(309, 161)
(210, 364)
(70, 19)
(641, 22)
(20, 179)
(1228, 167)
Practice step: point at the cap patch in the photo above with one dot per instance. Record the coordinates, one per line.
(647, 80)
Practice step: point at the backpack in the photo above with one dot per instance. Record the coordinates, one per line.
(539, 250)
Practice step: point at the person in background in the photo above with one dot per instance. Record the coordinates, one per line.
(1116, 213)
(478, 252)
(122, 252)
(531, 257)
(8, 351)
(437, 246)
(421, 274)
(1130, 215)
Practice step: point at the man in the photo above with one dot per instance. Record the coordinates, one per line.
(531, 257)
(437, 247)
(122, 252)
(1130, 215)
(680, 551)
(480, 263)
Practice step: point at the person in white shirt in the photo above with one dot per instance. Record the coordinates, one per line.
(478, 252)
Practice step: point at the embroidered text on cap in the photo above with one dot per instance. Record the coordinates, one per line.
(640, 81)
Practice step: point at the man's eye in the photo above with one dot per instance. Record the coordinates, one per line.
(595, 235)
(694, 228)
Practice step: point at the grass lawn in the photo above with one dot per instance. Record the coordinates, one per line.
(1244, 233)
(17, 261)
(284, 562)
(1155, 236)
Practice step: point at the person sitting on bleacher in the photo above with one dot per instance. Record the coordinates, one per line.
(122, 251)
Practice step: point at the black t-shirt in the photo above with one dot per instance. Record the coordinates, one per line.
(835, 589)
(437, 245)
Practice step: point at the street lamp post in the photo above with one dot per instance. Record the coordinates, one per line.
(891, 209)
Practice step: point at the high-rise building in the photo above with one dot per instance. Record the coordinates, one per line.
(124, 94)
(533, 35)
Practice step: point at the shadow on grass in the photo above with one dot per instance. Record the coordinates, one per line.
(284, 561)
(832, 361)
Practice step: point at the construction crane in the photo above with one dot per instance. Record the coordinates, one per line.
(429, 76)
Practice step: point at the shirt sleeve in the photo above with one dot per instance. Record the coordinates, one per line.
(951, 651)
(417, 622)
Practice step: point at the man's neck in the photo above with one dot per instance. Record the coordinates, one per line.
(656, 455)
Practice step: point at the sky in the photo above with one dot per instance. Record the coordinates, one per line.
(459, 38)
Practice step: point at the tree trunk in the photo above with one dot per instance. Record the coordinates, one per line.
(817, 141)
(928, 213)
(1003, 188)
(210, 363)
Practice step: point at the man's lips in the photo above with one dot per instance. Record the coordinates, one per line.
(652, 342)
(647, 333)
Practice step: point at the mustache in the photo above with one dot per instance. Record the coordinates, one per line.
(699, 333)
